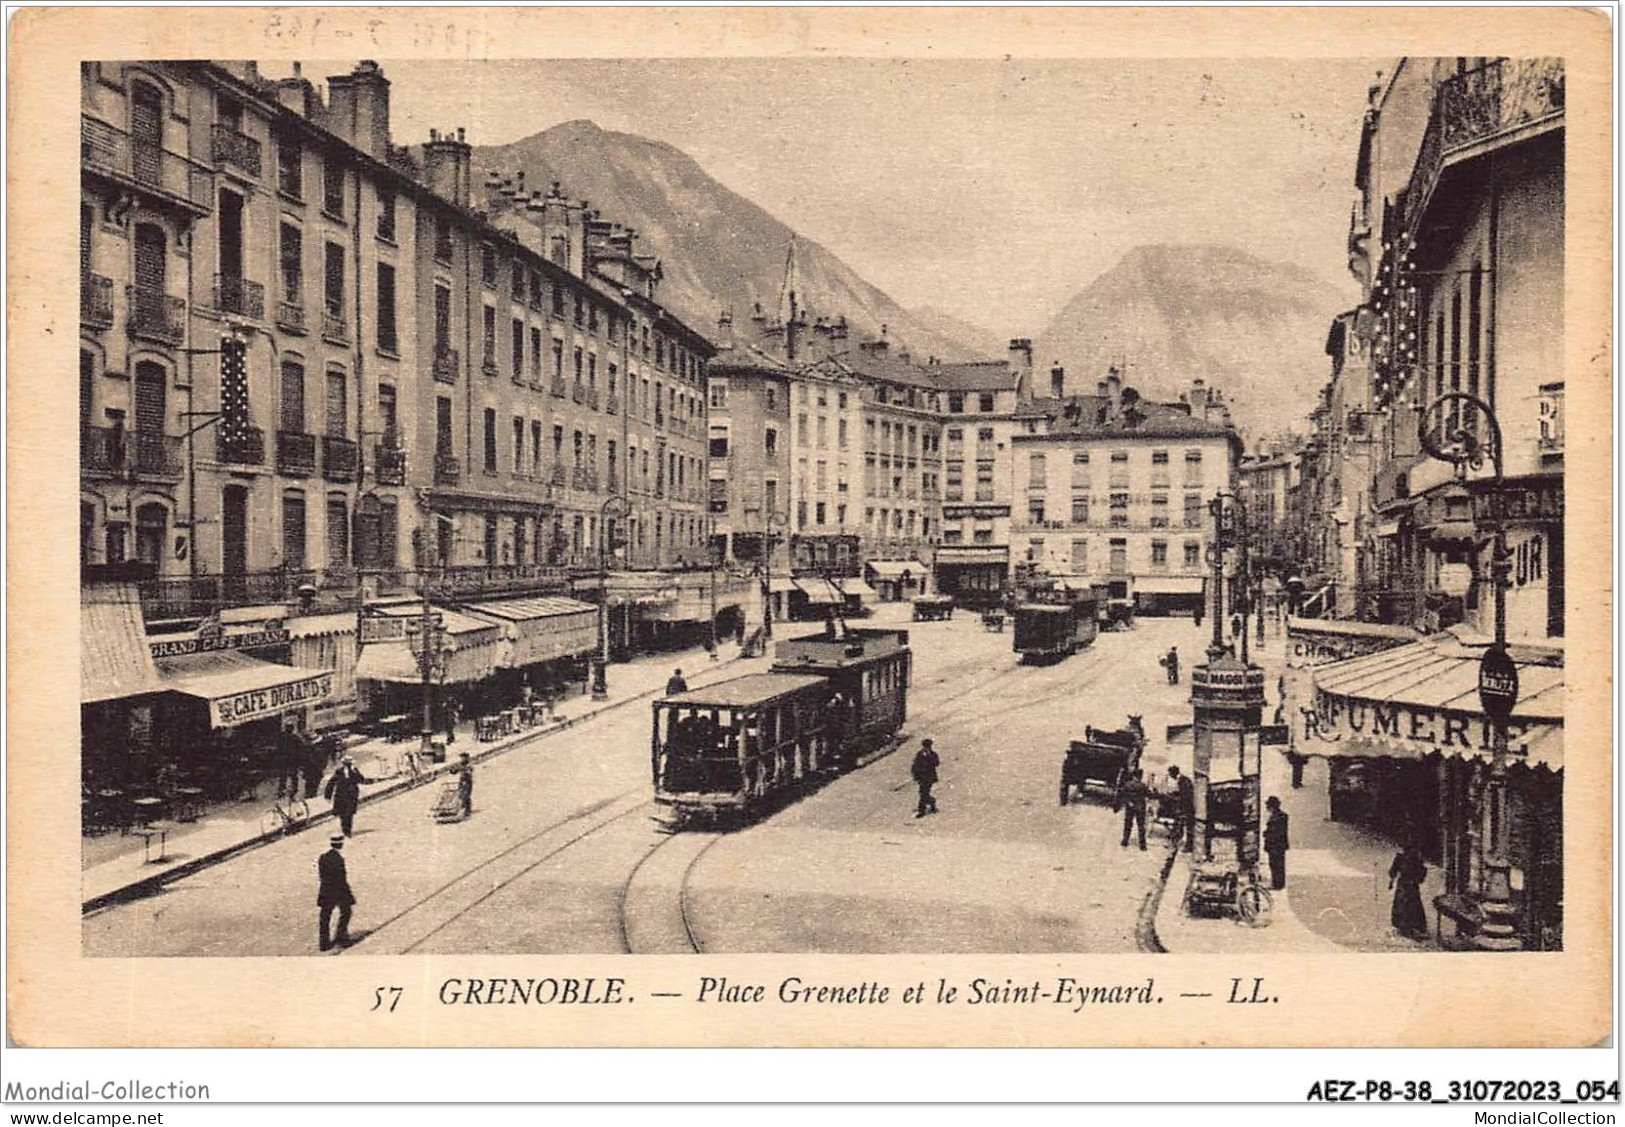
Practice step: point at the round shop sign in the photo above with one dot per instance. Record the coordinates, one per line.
(1497, 683)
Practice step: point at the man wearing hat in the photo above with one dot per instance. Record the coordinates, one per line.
(926, 762)
(334, 892)
(344, 789)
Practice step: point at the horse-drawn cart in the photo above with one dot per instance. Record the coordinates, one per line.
(1104, 759)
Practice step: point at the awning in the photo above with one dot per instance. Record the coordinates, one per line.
(541, 629)
(894, 569)
(858, 588)
(820, 591)
(316, 625)
(779, 584)
(114, 659)
(473, 647)
(985, 555)
(1422, 699)
(1168, 584)
(1386, 528)
(238, 688)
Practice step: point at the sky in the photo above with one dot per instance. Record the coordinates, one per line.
(993, 190)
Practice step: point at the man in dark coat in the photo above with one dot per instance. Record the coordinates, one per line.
(465, 783)
(344, 789)
(334, 892)
(1275, 842)
(924, 770)
(1133, 798)
(452, 713)
(289, 757)
(675, 683)
(1170, 662)
(1184, 809)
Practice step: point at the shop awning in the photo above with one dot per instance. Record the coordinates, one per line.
(1422, 699)
(986, 555)
(541, 629)
(238, 688)
(318, 625)
(779, 584)
(819, 591)
(858, 588)
(894, 569)
(114, 659)
(1386, 528)
(473, 647)
(1168, 584)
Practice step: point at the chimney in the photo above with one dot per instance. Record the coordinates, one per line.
(1198, 399)
(297, 93)
(359, 108)
(725, 329)
(448, 167)
(1057, 381)
(1021, 361)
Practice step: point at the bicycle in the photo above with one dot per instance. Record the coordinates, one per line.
(1253, 901)
(285, 816)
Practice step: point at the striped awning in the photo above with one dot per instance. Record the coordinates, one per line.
(541, 629)
(473, 648)
(1168, 584)
(894, 569)
(1422, 699)
(238, 688)
(858, 588)
(820, 591)
(114, 658)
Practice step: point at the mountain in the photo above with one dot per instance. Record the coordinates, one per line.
(1255, 329)
(974, 341)
(717, 249)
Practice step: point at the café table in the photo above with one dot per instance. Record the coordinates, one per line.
(188, 803)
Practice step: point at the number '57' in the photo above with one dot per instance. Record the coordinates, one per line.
(379, 996)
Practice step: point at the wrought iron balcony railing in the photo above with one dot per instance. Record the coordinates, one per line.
(234, 148)
(290, 316)
(340, 457)
(612, 404)
(238, 296)
(389, 464)
(583, 478)
(295, 453)
(447, 469)
(199, 596)
(335, 327)
(556, 386)
(95, 301)
(445, 364)
(578, 392)
(556, 476)
(154, 315)
(247, 450)
(148, 168)
(157, 455)
(101, 449)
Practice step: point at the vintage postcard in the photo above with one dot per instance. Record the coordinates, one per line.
(793, 527)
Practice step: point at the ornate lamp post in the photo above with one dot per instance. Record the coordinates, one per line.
(613, 509)
(1449, 430)
(771, 521)
(426, 637)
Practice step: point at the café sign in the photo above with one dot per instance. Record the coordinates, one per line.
(265, 635)
(386, 628)
(254, 704)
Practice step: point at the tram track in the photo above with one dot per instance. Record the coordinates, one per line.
(654, 905)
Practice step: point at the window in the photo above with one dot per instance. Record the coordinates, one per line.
(1119, 557)
(719, 393)
(1036, 472)
(293, 397)
(956, 403)
(840, 434)
(1080, 509)
(338, 531)
(535, 448)
(291, 255)
(1118, 478)
(443, 442)
(771, 398)
(592, 317)
(442, 320)
(576, 356)
(801, 429)
(387, 417)
(386, 215)
(954, 490)
(579, 311)
(488, 336)
(1193, 467)
(518, 284)
(984, 481)
(558, 364)
(1159, 554)
(333, 187)
(823, 476)
(1080, 555)
(387, 340)
(1159, 510)
(338, 402)
(592, 371)
(333, 280)
(558, 300)
(518, 446)
(442, 238)
(490, 440)
(818, 513)
(1159, 457)
(290, 179)
(518, 349)
(985, 405)
(293, 531)
(536, 355)
(770, 443)
(488, 266)
(1159, 468)
(1193, 510)
(1035, 510)
(1193, 553)
(1119, 510)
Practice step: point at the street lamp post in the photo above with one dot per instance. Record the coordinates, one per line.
(771, 521)
(428, 635)
(1449, 432)
(613, 509)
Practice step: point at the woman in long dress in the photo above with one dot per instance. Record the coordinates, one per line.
(1405, 877)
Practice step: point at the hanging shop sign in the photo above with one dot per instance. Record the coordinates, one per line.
(974, 512)
(265, 635)
(1416, 728)
(1528, 499)
(1497, 683)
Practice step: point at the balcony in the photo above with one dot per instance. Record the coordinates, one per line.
(583, 478)
(488, 364)
(612, 404)
(447, 469)
(445, 364)
(155, 316)
(486, 579)
(239, 297)
(335, 328)
(290, 316)
(235, 149)
(557, 476)
(295, 453)
(340, 458)
(101, 449)
(246, 450)
(95, 301)
(592, 398)
(160, 175)
(578, 392)
(157, 455)
(200, 596)
(1499, 103)
(556, 386)
(389, 464)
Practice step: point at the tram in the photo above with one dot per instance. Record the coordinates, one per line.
(1055, 625)
(741, 743)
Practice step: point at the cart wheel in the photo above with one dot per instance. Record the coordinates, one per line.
(298, 813)
(1253, 902)
(271, 823)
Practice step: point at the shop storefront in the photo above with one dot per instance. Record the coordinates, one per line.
(1169, 594)
(328, 642)
(973, 576)
(389, 679)
(546, 644)
(814, 599)
(120, 692)
(897, 580)
(1411, 751)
